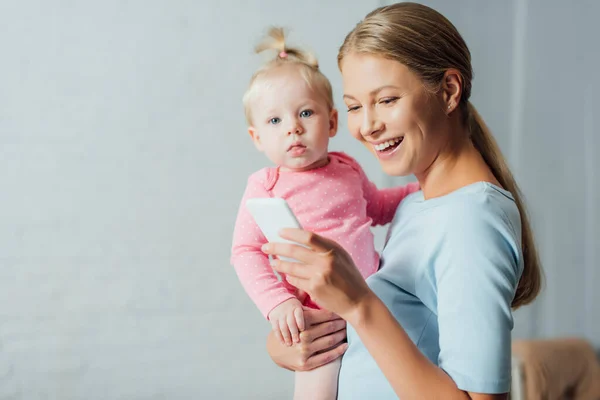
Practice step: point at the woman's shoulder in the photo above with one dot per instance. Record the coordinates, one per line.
(481, 207)
(480, 214)
(482, 220)
(477, 203)
(474, 231)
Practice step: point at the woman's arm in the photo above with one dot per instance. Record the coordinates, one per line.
(328, 274)
(322, 342)
(409, 372)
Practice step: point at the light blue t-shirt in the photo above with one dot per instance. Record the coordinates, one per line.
(448, 274)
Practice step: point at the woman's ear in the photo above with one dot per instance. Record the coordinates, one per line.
(451, 89)
(333, 122)
(255, 138)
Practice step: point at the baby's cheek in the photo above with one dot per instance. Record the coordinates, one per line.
(354, 128)
(276, 154)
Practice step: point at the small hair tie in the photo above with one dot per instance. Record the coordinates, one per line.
(283, 54)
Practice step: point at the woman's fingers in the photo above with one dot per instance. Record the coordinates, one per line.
(314, 317)
(289, 250)
(324, 358)
(301, 271)
(326, 343)
(309, 239)
(324, 329)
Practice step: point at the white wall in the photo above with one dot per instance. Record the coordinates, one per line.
(116, 122)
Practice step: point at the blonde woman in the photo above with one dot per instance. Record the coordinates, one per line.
(435, 321)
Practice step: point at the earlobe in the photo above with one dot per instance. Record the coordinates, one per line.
(333, 123)
(255, 137)
(452, 89)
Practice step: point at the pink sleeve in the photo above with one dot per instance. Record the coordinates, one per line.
(250, 263)
(382, 203)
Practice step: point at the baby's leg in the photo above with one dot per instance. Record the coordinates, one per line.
(318, 384)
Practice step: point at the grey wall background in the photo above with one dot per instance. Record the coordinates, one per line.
(123, 157)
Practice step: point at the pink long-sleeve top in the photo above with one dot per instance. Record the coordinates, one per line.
(336, 201)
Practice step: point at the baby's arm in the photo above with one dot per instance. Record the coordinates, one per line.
(250, 263)
(382, 203)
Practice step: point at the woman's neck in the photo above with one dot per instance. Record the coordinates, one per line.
(454, 168)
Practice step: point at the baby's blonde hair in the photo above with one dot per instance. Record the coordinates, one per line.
(307, 65)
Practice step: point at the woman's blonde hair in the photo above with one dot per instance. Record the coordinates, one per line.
(428, 44)
(307, 65)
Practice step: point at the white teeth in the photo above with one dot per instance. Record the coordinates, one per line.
(385, 145)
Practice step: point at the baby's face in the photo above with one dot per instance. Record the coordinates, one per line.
(291, 123)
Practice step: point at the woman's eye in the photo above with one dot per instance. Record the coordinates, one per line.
(275, 121)
(353, 108)
(388, 100)
(306, 113)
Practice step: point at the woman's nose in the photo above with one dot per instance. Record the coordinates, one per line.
(370, 124)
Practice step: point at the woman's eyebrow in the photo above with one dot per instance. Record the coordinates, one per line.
(374, 91)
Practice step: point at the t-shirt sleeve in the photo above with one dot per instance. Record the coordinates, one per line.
(476, 273)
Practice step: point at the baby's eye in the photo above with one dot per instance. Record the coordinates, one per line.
(306, 113)
(275, 121)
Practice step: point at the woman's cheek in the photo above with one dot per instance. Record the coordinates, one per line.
(396, 118)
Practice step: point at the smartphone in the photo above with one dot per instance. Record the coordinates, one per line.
(271, 215)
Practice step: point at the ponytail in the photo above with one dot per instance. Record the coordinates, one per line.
(531, 280)
(275, 40)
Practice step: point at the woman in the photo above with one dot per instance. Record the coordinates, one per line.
(435, 321)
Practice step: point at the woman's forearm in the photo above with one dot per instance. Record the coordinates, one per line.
(410, 373)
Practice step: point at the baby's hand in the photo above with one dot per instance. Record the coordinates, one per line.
(287, 320)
